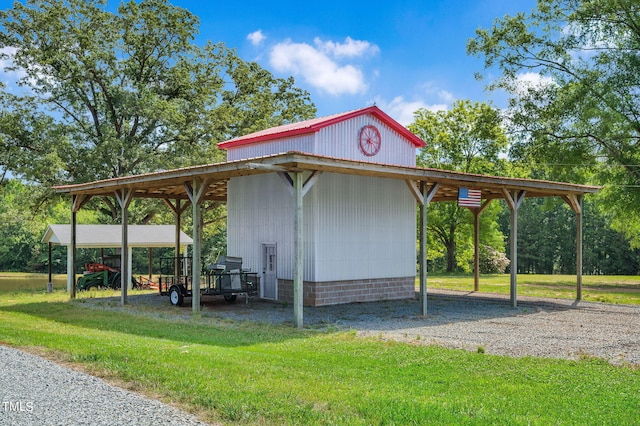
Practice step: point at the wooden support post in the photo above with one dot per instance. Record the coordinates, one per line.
(71, 258)
(424, 197)
(77, 201)
(298, 277)
(423, 247)
(176, 266)
(124, 197)
(177, 210)
(197, 251)
(196, 192)
(476, 249)
(579, 249)
(514, 200)
(575, 202)
(50, 282)
(476, 243)
(150, 264)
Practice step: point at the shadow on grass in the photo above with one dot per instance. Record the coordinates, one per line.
(180, 327)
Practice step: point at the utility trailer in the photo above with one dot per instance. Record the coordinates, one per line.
(226, 277)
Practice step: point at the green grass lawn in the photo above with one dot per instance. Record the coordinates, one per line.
(595, 288)
(247, 373)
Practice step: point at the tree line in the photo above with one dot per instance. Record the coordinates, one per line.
(104, 94)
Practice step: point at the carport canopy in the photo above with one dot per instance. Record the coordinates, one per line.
(300, 171)
(110, 236)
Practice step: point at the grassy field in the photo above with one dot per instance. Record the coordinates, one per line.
(247, 373)
(595, 288)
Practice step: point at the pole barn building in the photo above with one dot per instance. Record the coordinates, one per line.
(325, 209)
(359, 231)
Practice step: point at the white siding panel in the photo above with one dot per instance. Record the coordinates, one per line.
(367, 228)
(260, 210)
(342, 140)
(302, 143)
(356, 227)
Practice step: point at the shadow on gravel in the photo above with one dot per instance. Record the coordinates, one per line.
(150, 315)
(441, 309)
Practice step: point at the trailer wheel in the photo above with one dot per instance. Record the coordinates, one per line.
(230, 298)
(175, 296)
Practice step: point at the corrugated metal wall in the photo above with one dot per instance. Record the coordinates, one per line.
(303, 143)
(260, 210)
(355, 227)
(366, 228)
(340, 140)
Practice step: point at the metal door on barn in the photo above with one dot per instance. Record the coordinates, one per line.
(269, 282)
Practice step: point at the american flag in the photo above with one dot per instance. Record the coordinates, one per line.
(469, 197)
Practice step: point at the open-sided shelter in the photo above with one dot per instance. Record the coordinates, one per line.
(110, 236)
(333, 199)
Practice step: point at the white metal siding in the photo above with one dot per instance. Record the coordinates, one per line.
(366, 228)
(302, 143)
(355, 227)
(340, 140)
(260, 210)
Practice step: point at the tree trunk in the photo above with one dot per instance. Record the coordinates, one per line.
(452, 265)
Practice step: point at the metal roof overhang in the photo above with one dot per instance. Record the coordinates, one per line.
(172, 184)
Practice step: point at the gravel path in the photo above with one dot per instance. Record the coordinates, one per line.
(553, 328)
(34, 391)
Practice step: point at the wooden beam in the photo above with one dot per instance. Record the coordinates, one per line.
(415, 191)
(79, 201)
(310, 181)
(177, 208)
(288, 182)
(574, 201)
(432, 192)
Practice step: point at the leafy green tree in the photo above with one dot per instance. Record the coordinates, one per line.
(468, 138)
(23, 221)
(571, 70)
(111, 94)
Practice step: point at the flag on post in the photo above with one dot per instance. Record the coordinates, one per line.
(469, 197)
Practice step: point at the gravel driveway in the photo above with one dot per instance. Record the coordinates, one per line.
(34, 391)
(554, 328)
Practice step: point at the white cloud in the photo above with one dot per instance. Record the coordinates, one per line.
(402, 110)
(317, 68)
(256, 38)
(432, 89)
(350, 48)
(9, 77)
(531, 80)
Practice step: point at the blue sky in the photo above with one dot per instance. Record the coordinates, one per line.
(401, 55)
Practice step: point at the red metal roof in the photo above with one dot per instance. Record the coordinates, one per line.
(316, 124)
